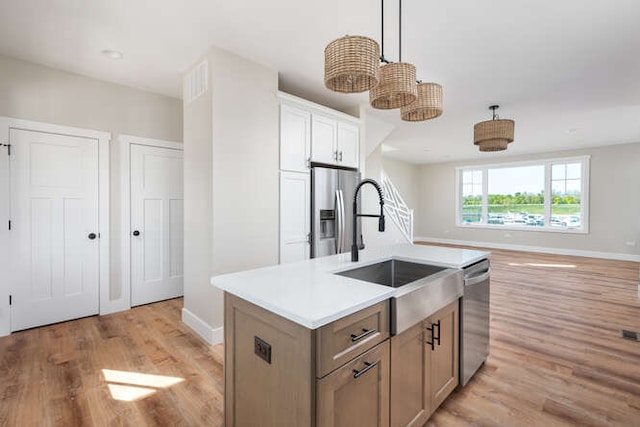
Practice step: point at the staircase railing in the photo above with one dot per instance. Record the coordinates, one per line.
(396, 208)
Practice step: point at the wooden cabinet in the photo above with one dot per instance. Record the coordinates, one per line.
(346, 373)
(425, 367)
(342, 340)
(295, 223)
(295, 139)
(357, 394)
(409, 378)
(444, 358)
(279, 373)
(334, 142)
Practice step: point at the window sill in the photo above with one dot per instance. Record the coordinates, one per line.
(526, 228)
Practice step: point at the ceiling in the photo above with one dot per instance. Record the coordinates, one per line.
(568, 72)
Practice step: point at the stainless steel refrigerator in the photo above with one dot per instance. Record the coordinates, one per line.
(332, 193)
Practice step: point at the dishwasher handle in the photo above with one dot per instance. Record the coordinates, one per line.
(474, 280)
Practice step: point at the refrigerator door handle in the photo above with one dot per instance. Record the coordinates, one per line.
(338, 217)
(343, 227)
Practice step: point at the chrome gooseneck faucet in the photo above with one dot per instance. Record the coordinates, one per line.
(354, 246)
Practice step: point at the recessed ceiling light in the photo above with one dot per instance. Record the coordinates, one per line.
(113, 54)
(572, 131)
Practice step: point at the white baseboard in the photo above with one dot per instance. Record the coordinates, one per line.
(525, 248)
(211, 335)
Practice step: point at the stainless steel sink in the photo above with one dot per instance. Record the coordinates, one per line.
(421, 289)
(394, 273)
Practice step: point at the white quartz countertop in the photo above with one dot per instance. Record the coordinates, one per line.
(310, 294)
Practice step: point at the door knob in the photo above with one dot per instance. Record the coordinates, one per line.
(136, 233)
(92, 236)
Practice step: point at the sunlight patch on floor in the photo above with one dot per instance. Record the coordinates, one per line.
(131, 386)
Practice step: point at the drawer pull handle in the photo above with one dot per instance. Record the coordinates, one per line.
(367, 366)
(365, 333)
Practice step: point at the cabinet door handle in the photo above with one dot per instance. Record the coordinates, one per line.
(432, 342)
(335, 155)
(341, 156)
(362, 371)
(365, 332)
(434, 338)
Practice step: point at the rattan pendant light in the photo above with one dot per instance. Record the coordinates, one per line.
(351, 64)
(397, 86)
(495, 134)
(427, 106)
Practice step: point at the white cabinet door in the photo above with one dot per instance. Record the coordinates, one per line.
(156, 224)
(348, 143)
(295, 216)
(295, 139)
(324, 134)
(54, 249)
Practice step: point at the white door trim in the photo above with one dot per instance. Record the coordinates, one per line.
(103, 138)
(124, 303)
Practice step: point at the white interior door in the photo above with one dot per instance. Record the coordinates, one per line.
(54, 250)
(156, 224)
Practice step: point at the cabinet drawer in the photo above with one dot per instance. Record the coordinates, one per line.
(342, 340)
(357, 394)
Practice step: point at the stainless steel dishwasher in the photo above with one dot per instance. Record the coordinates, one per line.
(474, 319)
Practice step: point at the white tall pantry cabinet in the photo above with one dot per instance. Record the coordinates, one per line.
(308, 133)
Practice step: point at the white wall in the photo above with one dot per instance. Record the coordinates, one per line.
(614, 216)
(405, 176)
(370, 204)
(231, 183)
(34, 92)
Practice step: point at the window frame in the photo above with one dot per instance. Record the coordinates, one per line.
(584, 160)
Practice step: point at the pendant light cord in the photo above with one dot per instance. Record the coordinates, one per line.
(399, 30)
(382, 58)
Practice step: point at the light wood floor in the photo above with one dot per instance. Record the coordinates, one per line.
(53, 376)
(556, 358)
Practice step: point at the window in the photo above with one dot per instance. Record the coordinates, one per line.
(546, 195)
(472, 196)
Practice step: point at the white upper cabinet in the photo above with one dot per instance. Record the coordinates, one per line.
(334, 141)
(348, 152)
(313, 133)
(295, 139)
(324, 139)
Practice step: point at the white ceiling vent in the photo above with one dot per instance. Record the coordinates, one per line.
(195, 83)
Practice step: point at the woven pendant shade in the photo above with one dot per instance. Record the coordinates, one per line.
(397, 86)
(427, 106)
(493, 135)
(351, 64)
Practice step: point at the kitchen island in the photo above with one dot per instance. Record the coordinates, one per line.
(307, 346)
